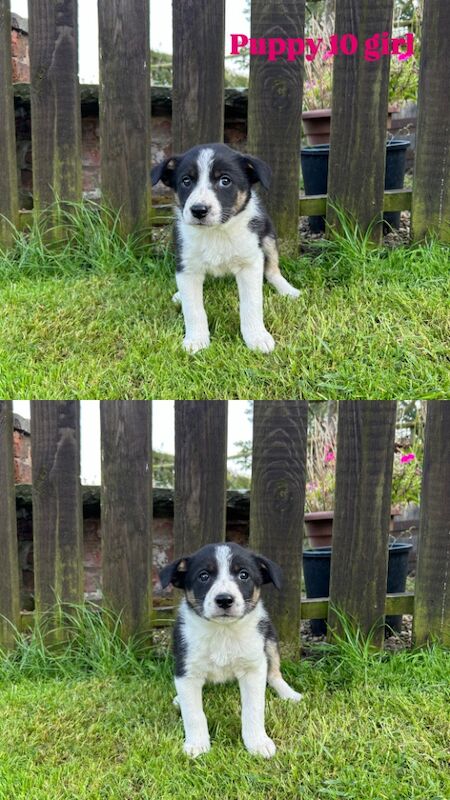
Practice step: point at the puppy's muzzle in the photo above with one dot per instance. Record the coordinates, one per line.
(224, 600)
(199, 211)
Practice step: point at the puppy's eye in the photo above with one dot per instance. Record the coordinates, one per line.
(186, 180)
(243, 575)
(203, 577)
(224, 180)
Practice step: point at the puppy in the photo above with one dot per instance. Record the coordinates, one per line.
(221, 227)
(222, 632)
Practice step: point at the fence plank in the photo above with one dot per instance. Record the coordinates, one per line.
(277, 502)
(55, 101)
(365, 448)
(432, 603)
(200, 473)
(431, 190)
(359, 116)
(9, 204)
(9, 584)
(274, 111)
(57, 504)
(124, 38)
(198, 72)
(126, 509)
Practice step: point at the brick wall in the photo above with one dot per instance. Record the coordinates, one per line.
(19, 49)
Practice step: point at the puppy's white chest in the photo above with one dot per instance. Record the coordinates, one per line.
(223, 655)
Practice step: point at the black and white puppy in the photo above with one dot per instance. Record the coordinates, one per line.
(223, 632)
(221, 227)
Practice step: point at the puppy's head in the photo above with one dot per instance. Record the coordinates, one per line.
(212, 182)
(222, 582)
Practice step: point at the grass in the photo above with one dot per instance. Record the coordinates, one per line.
(92, 317)
(93, 719)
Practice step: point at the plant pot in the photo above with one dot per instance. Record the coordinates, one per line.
(319, 528)
(317, 124)
(315, 177)
(316, 569)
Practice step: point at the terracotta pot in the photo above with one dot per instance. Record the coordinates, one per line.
(319, 528)
(317, 124)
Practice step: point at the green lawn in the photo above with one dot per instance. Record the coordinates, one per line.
(94, 318)
(99, 724)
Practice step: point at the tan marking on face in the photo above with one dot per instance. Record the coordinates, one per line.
(239, 202)
(190, 597)
(256, 594)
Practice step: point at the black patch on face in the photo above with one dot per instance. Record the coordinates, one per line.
(179, 648)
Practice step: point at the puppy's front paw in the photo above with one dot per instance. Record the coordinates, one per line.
(176, 298)
(259, 340)
(194, 344)
(196, 748)
(261, 746)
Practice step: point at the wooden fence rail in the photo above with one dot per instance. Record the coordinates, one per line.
(359, 110)
(361, 522)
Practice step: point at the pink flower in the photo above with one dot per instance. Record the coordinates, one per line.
(407, 458)
(329, 456)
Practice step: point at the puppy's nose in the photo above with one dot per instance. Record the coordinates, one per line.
(198, 210)
(224, 600)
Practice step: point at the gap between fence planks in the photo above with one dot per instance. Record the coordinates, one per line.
(126, 509)
(365, 448)
(432, 605)
(124, 104)
(9, 203)
(9, 583)
(277, 502)
(200, 473)
(274, 111)
(359, 117)
(431, 191)
(198, 73)
(55, 101)
(57, 504)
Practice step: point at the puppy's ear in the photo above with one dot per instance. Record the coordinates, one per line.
(257, 170)
(174, 573)
(165, 171)
(270, 572)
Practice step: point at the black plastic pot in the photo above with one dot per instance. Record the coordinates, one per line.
(315, 177)
(316, 569)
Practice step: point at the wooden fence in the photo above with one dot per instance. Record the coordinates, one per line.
(360, 102)
(361, 514)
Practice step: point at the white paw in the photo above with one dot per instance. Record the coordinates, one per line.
(194, 749)
(291, 292)
(262, 746)
(260, 340)
(176, 298)
(292, 695)
(193, 345)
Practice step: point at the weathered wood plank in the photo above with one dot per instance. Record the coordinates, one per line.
(9, 204)
(277, 502)
(9, 584)
(57, 506)
(365, 449)
(55, 101)
(432, 606)
(393, 200)
(274, 111)
(359, 117)
(431, 190)
(124, 39)
(200, 473)
(317, 608)
(126, 510)
(198, 72)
